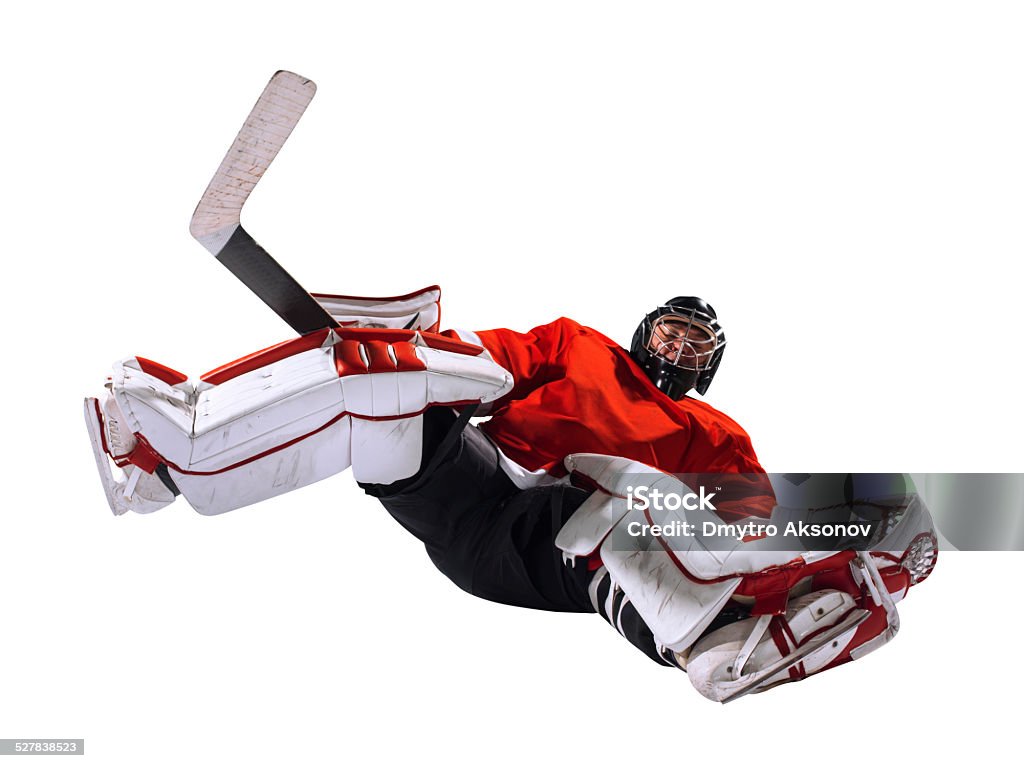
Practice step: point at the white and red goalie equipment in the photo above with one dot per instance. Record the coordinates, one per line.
(309, 408)
(289, 415)
(809, 611)
(420, 310)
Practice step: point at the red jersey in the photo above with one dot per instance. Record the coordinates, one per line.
(577, 391)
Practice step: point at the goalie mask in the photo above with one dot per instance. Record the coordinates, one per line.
(679, 346)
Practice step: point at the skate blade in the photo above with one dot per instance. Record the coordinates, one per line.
(115, 496)
(855, 619)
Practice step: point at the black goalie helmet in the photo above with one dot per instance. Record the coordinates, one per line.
(679, 346)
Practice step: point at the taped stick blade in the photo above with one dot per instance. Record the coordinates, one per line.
(264, 132)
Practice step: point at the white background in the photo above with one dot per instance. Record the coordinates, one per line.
(842, 181)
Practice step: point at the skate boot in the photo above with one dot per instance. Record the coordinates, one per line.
(758, 653)
(135, 490)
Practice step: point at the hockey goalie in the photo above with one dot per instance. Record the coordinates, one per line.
(531, 507)
(550, 500)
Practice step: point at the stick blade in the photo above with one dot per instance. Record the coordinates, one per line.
(268, 126)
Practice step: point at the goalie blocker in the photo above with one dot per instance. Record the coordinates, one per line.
(289, 415)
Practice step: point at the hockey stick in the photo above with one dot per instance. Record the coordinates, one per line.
(216, 223)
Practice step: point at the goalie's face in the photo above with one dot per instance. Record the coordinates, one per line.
(683, 341)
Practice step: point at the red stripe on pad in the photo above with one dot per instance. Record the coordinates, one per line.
(390, 335)
(265, 357)
(162, 372)
(445, 344)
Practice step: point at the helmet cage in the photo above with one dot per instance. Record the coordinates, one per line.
(679, 346)
(683, 339)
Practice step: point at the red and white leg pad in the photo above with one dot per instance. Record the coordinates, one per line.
(289, 415)
(809, 611)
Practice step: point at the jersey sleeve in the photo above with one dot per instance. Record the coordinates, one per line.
(534, 358)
